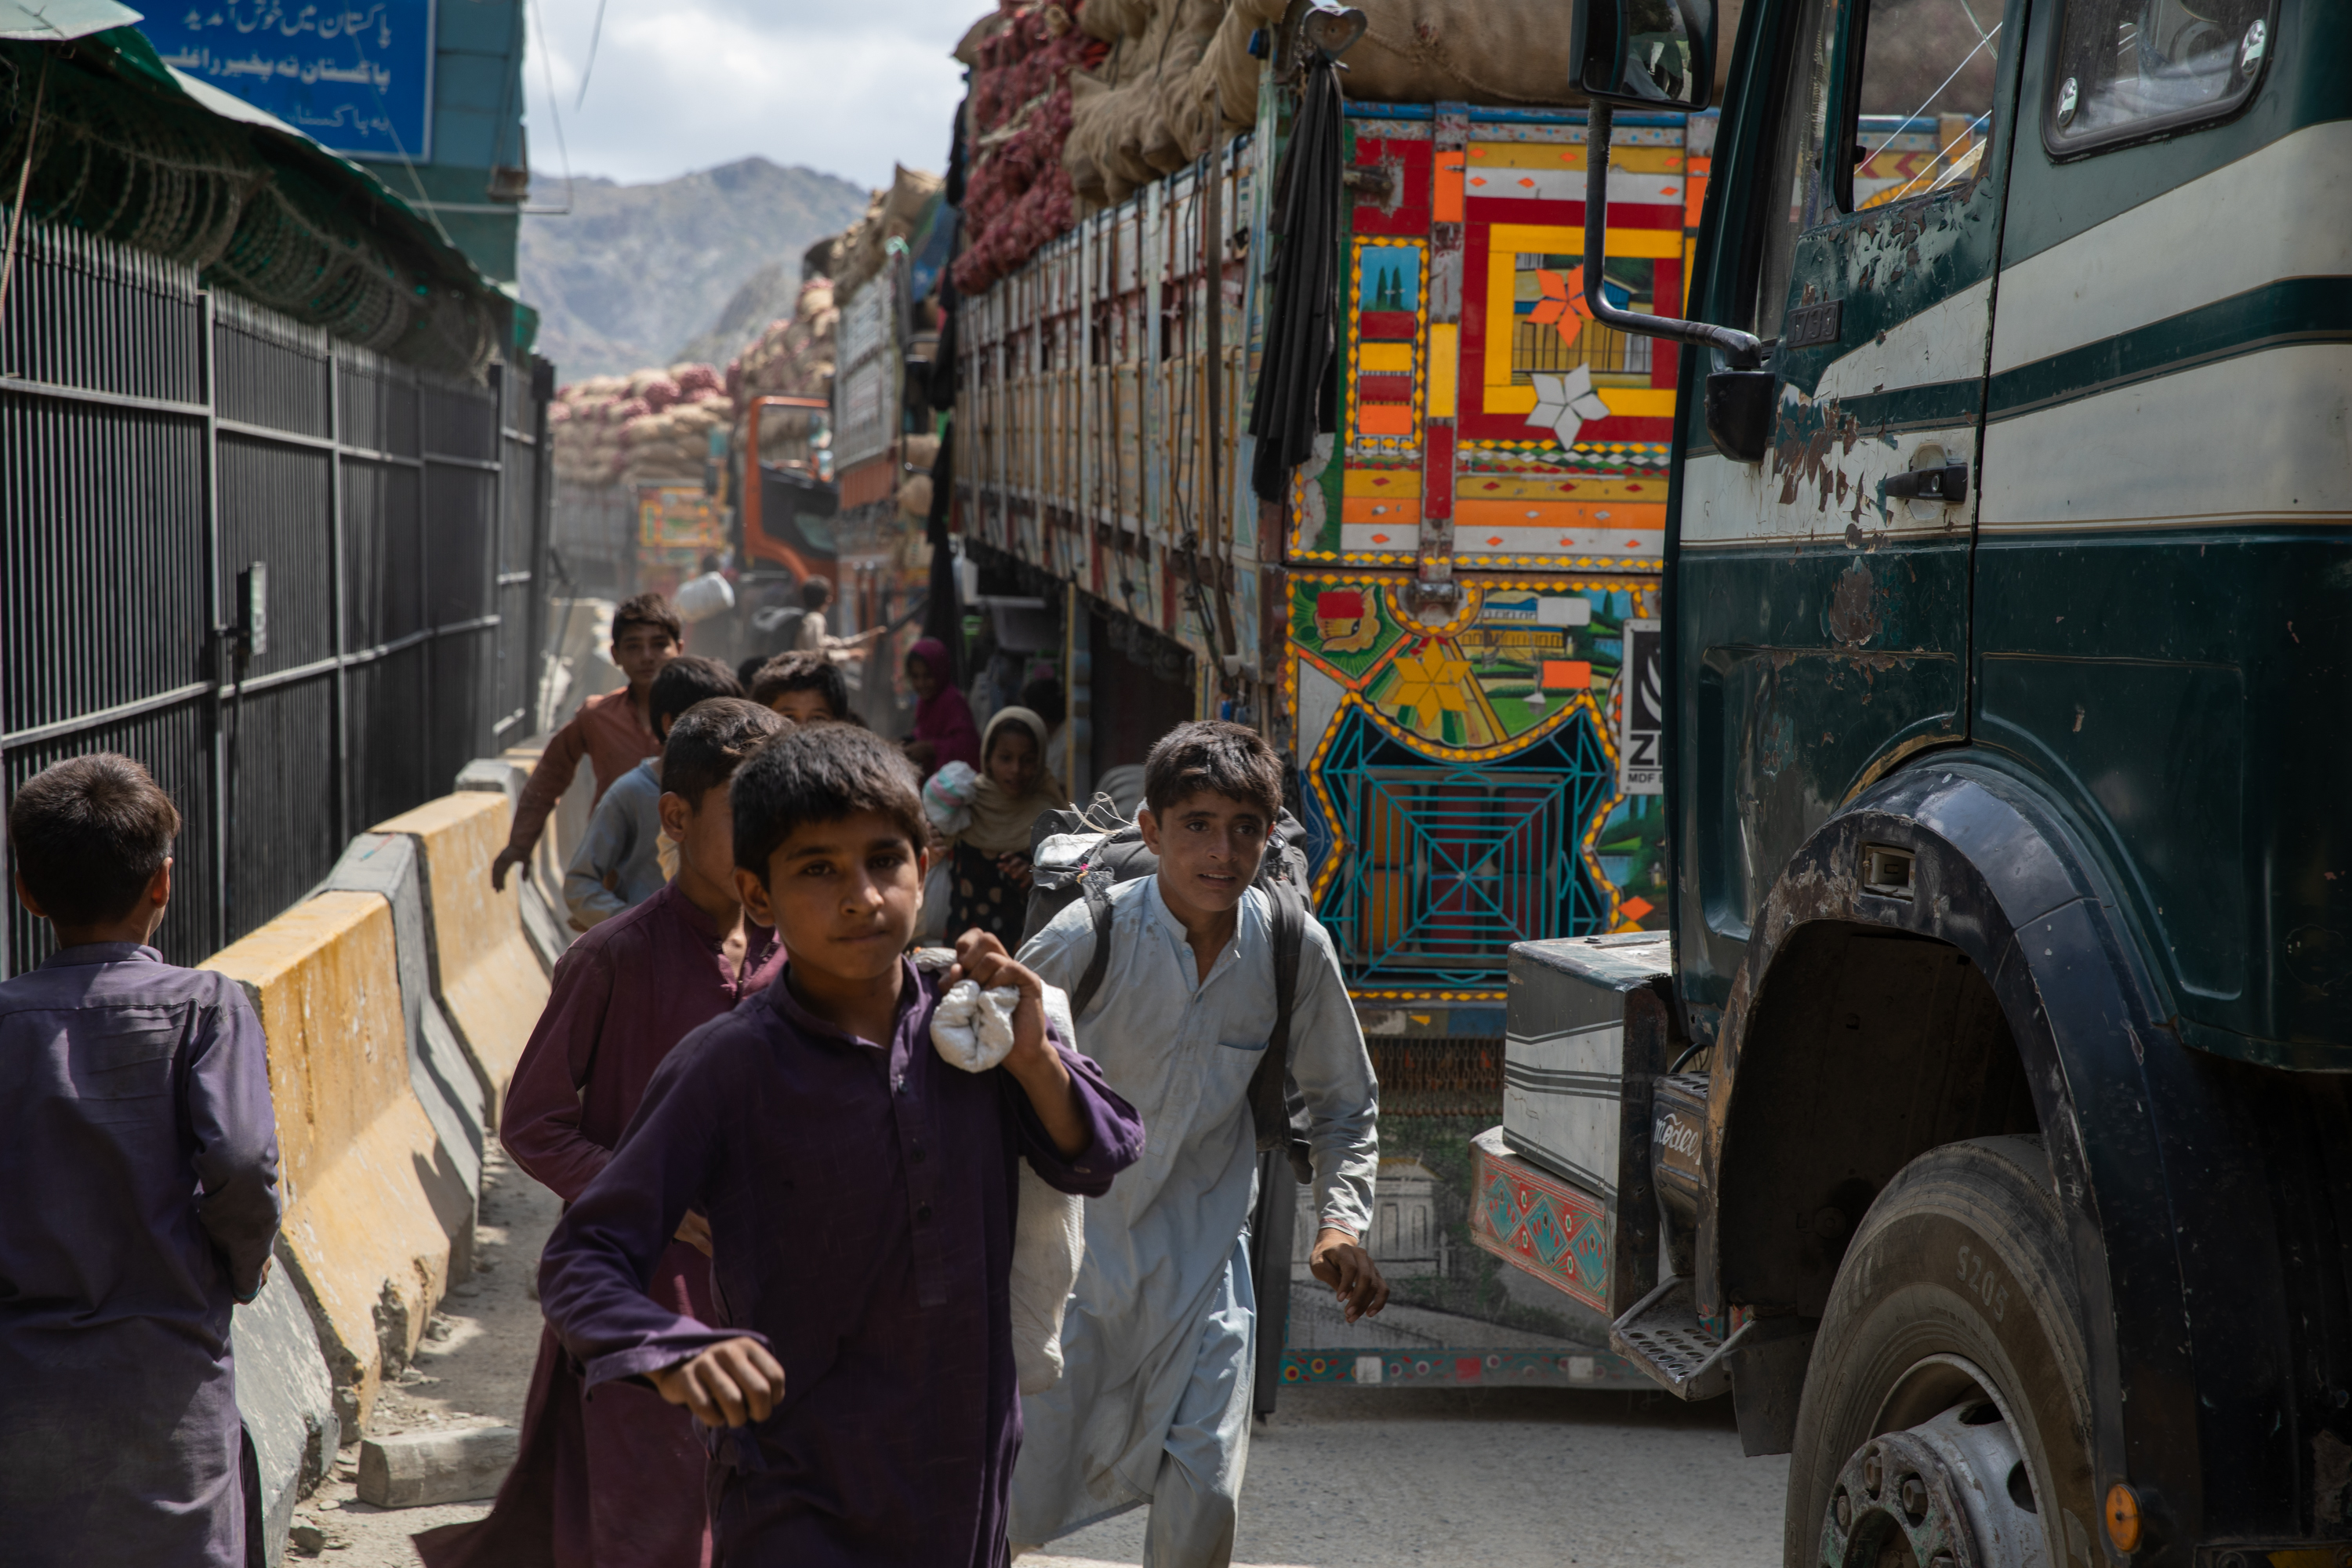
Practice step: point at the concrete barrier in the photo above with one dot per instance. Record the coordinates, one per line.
(374, 1204)
(546, 920)
(288, 1402)
(487, 980)
(438, 1071)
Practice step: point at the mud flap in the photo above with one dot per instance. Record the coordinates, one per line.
(1767, 1378)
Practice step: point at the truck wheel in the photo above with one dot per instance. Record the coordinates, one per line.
(1946, 1421)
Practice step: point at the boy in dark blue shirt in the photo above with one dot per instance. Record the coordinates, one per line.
(138, 1197)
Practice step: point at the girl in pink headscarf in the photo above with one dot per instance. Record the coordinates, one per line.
(944, 731)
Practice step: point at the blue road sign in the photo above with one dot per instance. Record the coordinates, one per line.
(356, 74)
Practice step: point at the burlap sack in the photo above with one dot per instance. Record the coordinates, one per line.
(967, 49)
(1176, 135)
(1503, 53)
(1228, 71)
(1111, 20)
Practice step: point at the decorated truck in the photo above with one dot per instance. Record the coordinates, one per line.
(1448, 620)
(1977, 1119)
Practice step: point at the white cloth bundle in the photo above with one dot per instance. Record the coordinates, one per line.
(699, 598)
(973, 1029)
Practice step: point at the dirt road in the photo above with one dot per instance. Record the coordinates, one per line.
(1341, 1478)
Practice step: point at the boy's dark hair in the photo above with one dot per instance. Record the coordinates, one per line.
(686, 681)
(816, 593)
(802, 672)
(1213, 755)
(820, 772)
(1043, 697)
(90, 833)
(710, 741)
(749, 670)
(648, 610)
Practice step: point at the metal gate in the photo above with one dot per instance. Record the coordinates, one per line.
(159, 444)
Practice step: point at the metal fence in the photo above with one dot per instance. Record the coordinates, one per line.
(159, 441)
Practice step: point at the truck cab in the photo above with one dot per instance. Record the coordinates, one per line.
(1992, 1063)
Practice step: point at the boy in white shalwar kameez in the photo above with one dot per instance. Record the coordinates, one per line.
(1154, 1401)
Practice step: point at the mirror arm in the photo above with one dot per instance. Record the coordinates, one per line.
(1744, 351)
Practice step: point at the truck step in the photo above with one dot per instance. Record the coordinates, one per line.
(1664, 1337)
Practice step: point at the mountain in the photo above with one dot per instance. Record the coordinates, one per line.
(766, 296)
(635, 274)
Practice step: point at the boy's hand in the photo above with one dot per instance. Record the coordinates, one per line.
(695, 1231)
(507, 861)
(1032, 1061)
(733, 1383)
(981, 957)
(1342, 1263)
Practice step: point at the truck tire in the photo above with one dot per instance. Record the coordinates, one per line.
(1951, 1348)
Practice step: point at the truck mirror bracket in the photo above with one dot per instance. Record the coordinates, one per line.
(1745, 351)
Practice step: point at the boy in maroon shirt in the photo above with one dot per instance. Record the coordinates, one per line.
(856, 1382)
(616, 1481)
(615, 732)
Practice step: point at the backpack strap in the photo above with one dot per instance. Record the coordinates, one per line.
(1269, 1090)
(1098, 898)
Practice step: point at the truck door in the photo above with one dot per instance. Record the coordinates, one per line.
(1821, 595)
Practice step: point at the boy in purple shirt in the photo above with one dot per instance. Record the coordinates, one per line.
(138, 1197)
(617, 1481)
(856, 1381)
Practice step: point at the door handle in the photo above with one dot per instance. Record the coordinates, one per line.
(1948, 484)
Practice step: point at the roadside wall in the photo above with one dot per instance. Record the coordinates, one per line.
(396, 1000)
(376, 1210)
(487, 978)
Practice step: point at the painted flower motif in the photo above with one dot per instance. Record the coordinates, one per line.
(1431, 682)
(1562, 306)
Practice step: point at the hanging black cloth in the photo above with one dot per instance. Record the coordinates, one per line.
(943, 617)
(1298, 381)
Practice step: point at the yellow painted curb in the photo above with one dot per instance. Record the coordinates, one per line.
(374, 1208)
(490, 982)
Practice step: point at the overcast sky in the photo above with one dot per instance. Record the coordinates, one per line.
(843, 86)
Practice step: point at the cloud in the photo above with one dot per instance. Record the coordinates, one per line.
(847, 87)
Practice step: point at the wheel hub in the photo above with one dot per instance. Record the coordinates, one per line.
(1951, 1493)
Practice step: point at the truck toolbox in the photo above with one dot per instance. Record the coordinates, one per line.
(1568, 1061)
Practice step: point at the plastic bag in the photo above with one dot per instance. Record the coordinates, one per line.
(699, 598)
(973, 1029)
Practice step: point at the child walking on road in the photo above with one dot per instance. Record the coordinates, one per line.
(617, 1481)
(615, 732)
(139, 1198)
(806, 688)
(619, 861)
(855, 1378)
(1154, 1405)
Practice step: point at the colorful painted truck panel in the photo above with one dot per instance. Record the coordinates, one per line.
(1487, 776)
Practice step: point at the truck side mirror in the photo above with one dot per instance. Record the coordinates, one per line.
(1645, 54)
(1739, 408)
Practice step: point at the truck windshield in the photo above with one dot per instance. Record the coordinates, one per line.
(2134, 66)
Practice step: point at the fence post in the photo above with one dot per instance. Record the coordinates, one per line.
(339, 570)
(428, 643)
(208, 350)
(542, 525)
